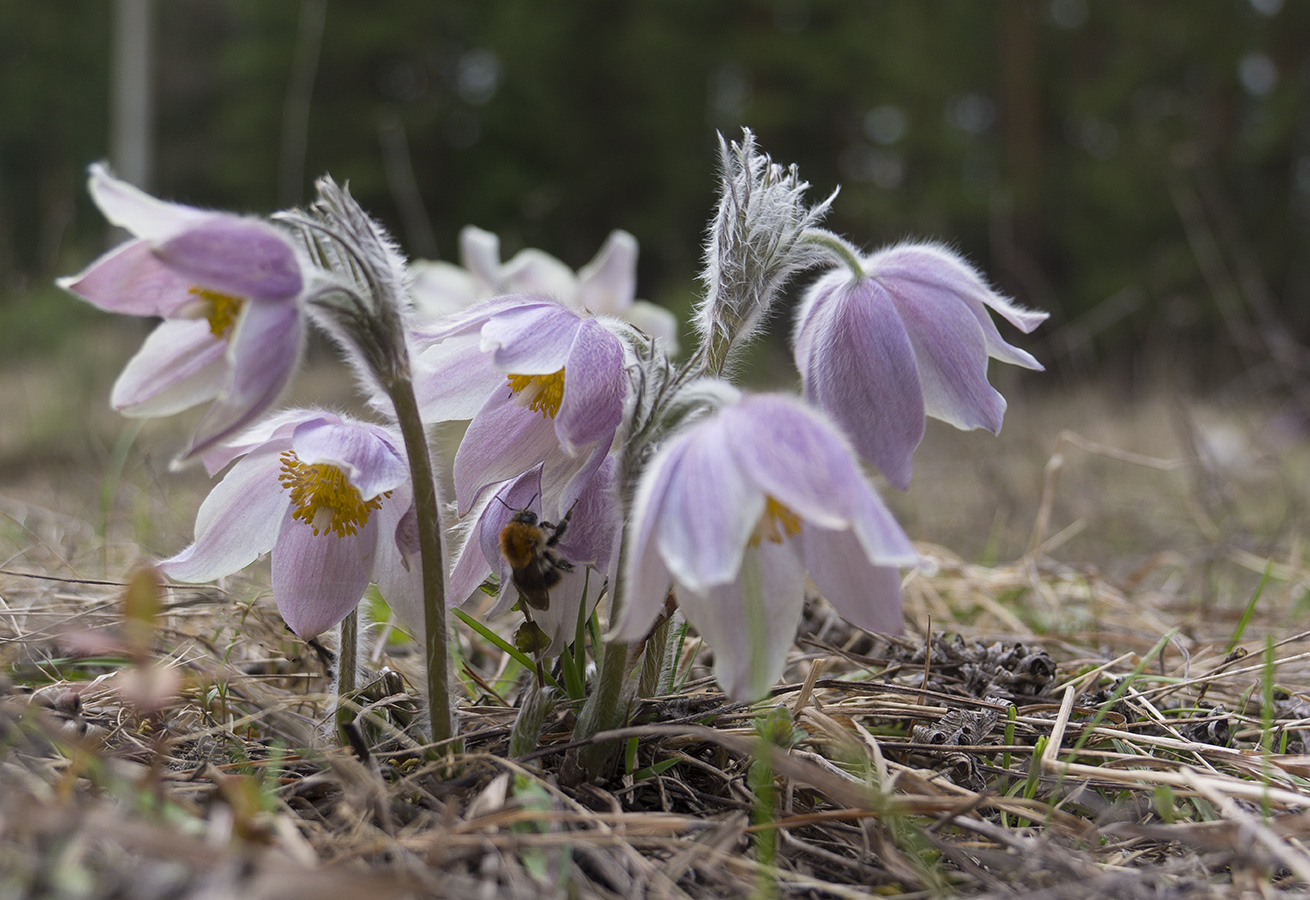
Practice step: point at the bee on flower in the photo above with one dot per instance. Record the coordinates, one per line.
(541, 383)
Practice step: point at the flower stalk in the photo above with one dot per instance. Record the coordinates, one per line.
(400, 390)
(347, 668)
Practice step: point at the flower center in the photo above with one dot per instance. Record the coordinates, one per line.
(777, 524)
(220, 309)
(322, 497)
(543, 393)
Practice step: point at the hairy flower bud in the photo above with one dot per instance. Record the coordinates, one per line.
(755, 244)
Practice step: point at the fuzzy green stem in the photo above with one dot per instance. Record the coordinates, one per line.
(347, 666)
(605, 707)
(718, 347)
(401, 392)
(839, 247)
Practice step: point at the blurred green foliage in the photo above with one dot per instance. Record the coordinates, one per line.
(1054, 141)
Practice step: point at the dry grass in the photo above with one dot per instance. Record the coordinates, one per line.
(1074, 718)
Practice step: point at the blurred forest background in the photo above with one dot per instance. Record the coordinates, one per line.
(1140, 169)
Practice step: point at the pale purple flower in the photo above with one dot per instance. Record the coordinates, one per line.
(588, 543)
(910, 339)
(541, 384)
(331, 498)
(606, 286)
(734, 510)
(229, 290)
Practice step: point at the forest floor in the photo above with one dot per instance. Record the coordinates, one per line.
(1103, 689)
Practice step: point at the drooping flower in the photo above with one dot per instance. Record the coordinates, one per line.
(331, 498)
(606, 286)
(541, 384)
(229, 289)
(734, 510)
(588, 543)
(909, 339)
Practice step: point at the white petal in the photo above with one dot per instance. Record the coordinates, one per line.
(657, 322)
(439, 288)
(608, 284)
(132, 208)
(479, 252)
(534, 272)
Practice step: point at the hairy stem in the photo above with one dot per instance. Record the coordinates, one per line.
(840, 248)
(401, 391)
(347, 666)
(606, 707)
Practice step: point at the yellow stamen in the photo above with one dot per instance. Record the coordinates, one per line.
(544, 393)
(322, 497)
(776, 514)
(220, 309)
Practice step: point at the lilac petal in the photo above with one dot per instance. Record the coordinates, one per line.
(884, 541)
(453, 379)
(238, 522)
(534, 272)
(594, 524)
(319, 578)
(479, 253)
(277, 427)
(264, 351)
(471, 569)
(865, 594)
(709, 510)
(952, 356)
(795, 456)
(180, 365)
(243, 257)
(503, 441)
(566, 476)
(608, 284)
(366, 454)
(751, 622)
(594, 388)
(937, 264)
(997, 347)
(531, 340)
(473, 318)
(398, 565)
(130, 280)
(860, 369)
(933, 265)
(129, 207)
(645, 577)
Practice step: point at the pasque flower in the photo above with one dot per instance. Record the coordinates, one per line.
(909, 339)
(331, 498)
(541, 384)
(606, 286)
(229, 289)
(733, 511)
(587, 543)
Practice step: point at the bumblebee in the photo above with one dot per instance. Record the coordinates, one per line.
(528, 545)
